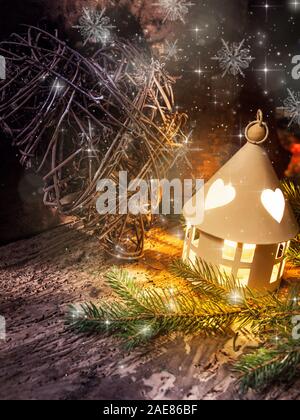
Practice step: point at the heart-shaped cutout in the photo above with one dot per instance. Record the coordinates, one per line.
(274, 203)
(219, 195)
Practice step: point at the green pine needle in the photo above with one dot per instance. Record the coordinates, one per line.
(142, 314)
(207, 280)
(212, 303)
(269, 365)
(292, 193)
(293, 253)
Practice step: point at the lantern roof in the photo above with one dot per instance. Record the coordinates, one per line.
(243, 200)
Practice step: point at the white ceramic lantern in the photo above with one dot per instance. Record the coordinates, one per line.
(247, 222)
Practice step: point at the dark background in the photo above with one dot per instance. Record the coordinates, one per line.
(218, 108)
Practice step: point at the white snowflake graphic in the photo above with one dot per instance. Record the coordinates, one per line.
(233, 58)
(171, 50)
(141, 73)
(94, 26)
(292, 107)
(174, 9)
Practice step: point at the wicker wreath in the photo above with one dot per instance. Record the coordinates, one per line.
(78, 119)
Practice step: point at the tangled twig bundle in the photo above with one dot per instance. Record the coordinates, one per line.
(79, 119)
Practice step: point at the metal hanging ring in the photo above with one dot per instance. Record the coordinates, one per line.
(259, 121)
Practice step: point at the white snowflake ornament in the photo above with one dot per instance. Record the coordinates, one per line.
(292, 107)
(174, 9)
(233, 58)
(171, 50)
(95, 27)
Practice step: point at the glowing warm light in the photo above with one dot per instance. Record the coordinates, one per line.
(274, 203)
(196, 237)
(229, 250)
(280, 251)
(236, 298)
(189, 232)
(275, 272)
(243, 275)
(192, 257)
(146, 330)
(185, 253)
(282, 269)
(225, 270)
(219, 195)
(248, 253)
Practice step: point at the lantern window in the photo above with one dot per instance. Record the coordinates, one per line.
(280, 250)
(248, 253)
(219, 195)
(189, 232)
(274, 203)
(225, 270)
(275, 273)
(229, 250)
(192, 257)
(243, 276)
(282, 268)
(197, 234)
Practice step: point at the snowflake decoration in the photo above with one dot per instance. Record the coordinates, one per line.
(141, 74)
(94, 26)
(174, 9)
(171, 50)
(233, 58)
(292, 107)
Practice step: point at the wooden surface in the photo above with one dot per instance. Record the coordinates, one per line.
(41, 359)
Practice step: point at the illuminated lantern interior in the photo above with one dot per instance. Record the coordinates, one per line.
(280, 250)
(275, 272)
(248, 253)
(225, 270)
(229, 250)
(196, 237)
(282, 268)
(219, 195)
(243, 276)
(274, 203)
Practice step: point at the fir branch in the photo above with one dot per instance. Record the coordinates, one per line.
(206, 279)
(292, 193)
(260, 369)
(126, 288)
(143, 314)
(268, 312)
(258, 311)
(206, 307)
(293, 253)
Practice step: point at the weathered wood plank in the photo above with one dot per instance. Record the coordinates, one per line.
(42, 359)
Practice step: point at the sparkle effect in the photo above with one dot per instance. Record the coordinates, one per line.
(294, 5)
(95, 27)
(292, 107)
(233, 58)
(171, 50)
(174, 9)
(267, 7)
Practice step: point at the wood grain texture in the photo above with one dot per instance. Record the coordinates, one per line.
(41, 359)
